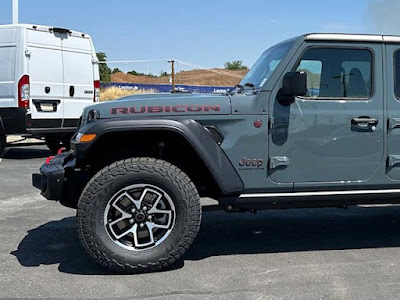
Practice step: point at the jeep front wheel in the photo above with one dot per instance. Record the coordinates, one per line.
(138, 215)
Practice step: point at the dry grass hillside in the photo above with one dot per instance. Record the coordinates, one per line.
(194, 77)
(113, 93)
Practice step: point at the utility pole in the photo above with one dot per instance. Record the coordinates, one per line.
(172, 62)
(15, 11)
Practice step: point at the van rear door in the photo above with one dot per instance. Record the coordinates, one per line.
(46, 77)
(78, 76)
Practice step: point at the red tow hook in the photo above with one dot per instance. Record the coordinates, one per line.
(61, 150)
(48, 160)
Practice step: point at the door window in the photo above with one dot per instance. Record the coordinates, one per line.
(337, 73)
(397, 73)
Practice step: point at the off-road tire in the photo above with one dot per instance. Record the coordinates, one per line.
(100, 189)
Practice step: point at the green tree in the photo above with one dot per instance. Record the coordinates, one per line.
(104, 70)
(133, 72)
(235, 65)
(163, 73)
(115, 70)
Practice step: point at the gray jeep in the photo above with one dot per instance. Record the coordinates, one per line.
(314, 123)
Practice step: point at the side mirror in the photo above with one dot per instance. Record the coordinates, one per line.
(294, 84)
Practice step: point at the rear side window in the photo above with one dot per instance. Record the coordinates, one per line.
(397, 73)
(7, 63)
(337, 73)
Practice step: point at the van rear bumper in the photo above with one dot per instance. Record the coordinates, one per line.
(15, 120)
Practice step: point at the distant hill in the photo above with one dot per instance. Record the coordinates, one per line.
(194, 77)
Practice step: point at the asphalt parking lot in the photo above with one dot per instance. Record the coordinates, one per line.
(289, 254)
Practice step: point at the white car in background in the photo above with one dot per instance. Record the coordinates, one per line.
(48, 75)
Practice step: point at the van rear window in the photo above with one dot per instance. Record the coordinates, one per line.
(7, 64)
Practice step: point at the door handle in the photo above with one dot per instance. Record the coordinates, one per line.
(364, 121)
(71, 91)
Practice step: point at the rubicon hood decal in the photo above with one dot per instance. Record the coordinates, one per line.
(165, 109)
(163, 105)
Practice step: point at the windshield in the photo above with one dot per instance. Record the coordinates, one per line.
(266, 64)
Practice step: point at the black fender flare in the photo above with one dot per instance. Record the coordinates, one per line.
(193, 132)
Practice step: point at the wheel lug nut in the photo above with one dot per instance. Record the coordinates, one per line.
(133, 210)
(141, 225)
(150, 217)
(131, 221)
(144, 208)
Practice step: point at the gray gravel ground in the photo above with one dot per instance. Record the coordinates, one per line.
(294, 254)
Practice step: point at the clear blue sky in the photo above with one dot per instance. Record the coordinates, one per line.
(205, 32)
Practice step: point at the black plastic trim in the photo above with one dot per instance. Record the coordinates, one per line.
(2, 130)
(51, 178)
(202, 142)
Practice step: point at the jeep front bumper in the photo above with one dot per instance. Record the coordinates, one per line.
(52, 176)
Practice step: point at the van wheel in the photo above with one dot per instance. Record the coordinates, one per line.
(3, 143)
(53, 144)
(138, 215)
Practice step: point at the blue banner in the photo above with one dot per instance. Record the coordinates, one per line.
(166, 88)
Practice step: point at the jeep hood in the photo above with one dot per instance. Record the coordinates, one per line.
(163, 104)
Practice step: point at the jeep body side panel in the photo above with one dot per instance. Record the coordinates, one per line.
(317, 136)
(202, 142)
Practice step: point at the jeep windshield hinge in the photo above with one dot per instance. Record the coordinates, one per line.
(271, 122)
(278, 161)
(393, 123)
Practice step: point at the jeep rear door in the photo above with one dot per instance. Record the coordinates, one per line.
(334, 135)
(393, 108)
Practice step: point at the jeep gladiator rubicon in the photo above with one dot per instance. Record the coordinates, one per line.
(314, 123)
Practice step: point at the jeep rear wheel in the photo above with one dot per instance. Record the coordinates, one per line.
(138, 215)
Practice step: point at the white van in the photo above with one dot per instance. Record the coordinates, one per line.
(47, 76)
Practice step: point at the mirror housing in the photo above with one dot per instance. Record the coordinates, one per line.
(294, 84)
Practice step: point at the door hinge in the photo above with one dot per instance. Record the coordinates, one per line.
(278, 161)
(393, 160)
(393, 123)
(271, 122)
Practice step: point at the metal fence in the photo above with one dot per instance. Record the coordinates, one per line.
(162, 88)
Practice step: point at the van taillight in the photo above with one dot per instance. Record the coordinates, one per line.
(96, 97)
(23, 92)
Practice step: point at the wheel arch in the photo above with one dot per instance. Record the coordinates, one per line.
(186, 143)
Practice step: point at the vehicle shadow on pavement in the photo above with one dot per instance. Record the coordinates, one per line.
(22, 152)
(56, 242)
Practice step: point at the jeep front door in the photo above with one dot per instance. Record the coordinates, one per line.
(335, 133)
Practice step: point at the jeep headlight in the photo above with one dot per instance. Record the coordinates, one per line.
(93, 115)
(85, 137)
